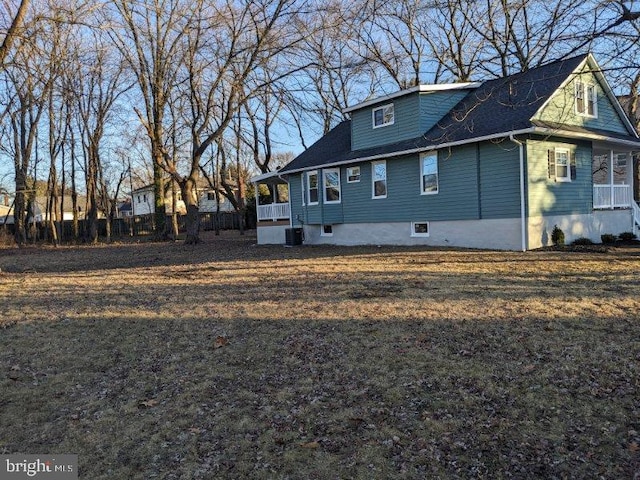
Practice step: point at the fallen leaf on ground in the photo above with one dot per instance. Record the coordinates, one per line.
(220, 342)
(148, 403)
(310, 445)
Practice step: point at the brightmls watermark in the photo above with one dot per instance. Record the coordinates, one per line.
(41, 467)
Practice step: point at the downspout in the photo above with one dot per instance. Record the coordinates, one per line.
(523, 211)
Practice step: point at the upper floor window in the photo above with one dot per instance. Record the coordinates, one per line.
(331, 185)
(429, 165)
(312, 187)
(383, 116)
(586, 99)
(379, 179)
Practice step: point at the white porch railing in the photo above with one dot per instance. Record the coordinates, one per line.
(612, 196)
(273, 211)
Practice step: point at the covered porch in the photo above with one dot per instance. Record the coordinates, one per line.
(272, 198)
(612, 178)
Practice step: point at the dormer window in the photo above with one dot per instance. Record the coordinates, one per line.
(383, 116)
(586, 100)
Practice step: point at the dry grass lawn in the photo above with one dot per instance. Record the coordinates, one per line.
(230, 360)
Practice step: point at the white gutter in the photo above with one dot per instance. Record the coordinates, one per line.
(523, 212)
(416, 150)
(590, 136)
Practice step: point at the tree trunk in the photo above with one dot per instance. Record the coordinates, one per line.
(190, 198)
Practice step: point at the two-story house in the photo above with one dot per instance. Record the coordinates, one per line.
(493, 165)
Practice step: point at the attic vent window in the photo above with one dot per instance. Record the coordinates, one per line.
(383, 116)
(586, 100)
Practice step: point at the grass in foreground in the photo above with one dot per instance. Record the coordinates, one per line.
(228, 360)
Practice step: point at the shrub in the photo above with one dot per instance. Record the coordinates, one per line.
(627, 236)
(557, 236)
(582, 241)
(608, 238)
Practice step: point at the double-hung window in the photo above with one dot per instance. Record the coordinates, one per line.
(586, 99)
(331, 185)
(429, 166)
(312, 188)
(383, 116)
(353, 174)
(379, 179)
(562, 165)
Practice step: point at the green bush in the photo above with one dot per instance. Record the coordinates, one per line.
(608, 238)
(557, 236)
(582, 241)
(627, 236)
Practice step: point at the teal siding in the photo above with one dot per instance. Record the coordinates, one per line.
(314, 214)
(499, 180)
(457, 198)
(548, 197)
(414, 114)
(561, 108)
(406, 124)
(435, 105)
(295, 199)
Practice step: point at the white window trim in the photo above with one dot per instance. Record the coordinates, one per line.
(304, 192)
(308, 192)
(349, 174)
(324, 185)
(373, 179)
(325, 234)
(586, 87)
(415, 234)
(568, 152)
(383, 124)
(422, 192)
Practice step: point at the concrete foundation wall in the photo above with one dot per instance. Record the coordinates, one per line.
(590, 226)
(272, 235)
(501, 234)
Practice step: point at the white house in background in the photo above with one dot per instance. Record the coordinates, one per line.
(143, 204)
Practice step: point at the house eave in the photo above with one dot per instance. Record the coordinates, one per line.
(590, 136)
(416, 150)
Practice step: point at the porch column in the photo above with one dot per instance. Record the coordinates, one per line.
(611, 190)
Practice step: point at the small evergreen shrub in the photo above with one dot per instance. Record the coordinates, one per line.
(608, 238)
(627, 236)
(557, 236)
(582, 241)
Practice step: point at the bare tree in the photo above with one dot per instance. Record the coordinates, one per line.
(13, 32)
(150, 36)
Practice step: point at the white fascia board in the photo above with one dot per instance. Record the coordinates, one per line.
(419, 89)
(589, 136)
(417, 150)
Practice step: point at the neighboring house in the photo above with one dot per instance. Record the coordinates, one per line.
(209, 204)
(485, 165)
(143, 202)
(40, 213)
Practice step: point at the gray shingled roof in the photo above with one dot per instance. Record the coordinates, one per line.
(497, 106)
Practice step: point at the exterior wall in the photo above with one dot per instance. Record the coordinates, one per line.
(499, 177)
(271, 235)
(548, 197)
(435, 105)
(207, 205)
(474, 182)
(414, 114)
(590, 225)
(502, 234)
(561, 107)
